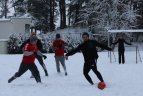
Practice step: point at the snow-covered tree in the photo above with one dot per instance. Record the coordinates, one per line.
(112, 14)
(15, 41)
(4, 8)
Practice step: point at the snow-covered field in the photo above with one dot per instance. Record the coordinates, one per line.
(122, 80)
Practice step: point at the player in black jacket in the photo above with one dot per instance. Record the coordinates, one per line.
(88, 49)
(39, 58)
(121, 49)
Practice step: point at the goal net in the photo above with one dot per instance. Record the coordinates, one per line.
(132, 54)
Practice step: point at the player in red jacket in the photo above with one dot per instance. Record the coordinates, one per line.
(58, 46)
(30, 51)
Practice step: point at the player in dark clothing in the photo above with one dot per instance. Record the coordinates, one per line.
(121, 49)
(39, 58)
(88, 49)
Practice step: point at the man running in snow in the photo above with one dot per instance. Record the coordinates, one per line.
(39, 58)
(88, 49)
(30, 51)
(58, 46)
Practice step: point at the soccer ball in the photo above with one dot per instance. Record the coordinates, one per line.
(101, 85)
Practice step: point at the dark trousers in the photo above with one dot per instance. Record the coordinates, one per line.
(24, 67)
(121, 57)
(40, 60)
(87, 67)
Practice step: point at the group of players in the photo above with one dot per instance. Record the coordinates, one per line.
(32, 48)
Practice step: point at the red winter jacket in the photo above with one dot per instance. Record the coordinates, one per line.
(29, 48)
(58, 46)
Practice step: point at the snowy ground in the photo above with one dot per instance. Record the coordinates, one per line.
(121, 80)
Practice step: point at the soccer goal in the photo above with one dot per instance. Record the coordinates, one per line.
(132, 54)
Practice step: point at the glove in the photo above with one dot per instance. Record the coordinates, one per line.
(44, 56)
(35, 53)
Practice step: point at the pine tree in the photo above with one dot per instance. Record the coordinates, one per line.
(114, 14)
(42, 12)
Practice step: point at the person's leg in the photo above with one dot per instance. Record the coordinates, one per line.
(34, 70)
(123, 58)
(40, 60)
(98, 74)
(86, 70)
(57, 64)
(62, 60)
(22, 69)
(119, 53)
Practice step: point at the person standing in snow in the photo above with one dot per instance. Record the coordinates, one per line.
(30, 51)
(58, 47)
(39, 58)
(121, 49)
(88, 49)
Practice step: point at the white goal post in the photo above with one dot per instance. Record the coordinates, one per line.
(137, 54)
(125, 31)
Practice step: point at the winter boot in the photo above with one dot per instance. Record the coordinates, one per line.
(38, 79)
(46, 73)
(66, 73)
(11, 79)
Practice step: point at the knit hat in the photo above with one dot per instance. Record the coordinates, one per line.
(33, 39)
(58, 36)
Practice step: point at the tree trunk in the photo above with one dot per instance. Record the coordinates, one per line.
(5, 8)
(62, 9)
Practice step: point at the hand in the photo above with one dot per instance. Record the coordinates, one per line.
(44, 56)
(35, 53)
(66, 57)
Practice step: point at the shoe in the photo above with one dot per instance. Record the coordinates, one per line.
(46, 73)
(11, 79)
(66, 73)
(38, 79)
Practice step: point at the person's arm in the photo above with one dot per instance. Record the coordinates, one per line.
(39, 45)
(102, 46)
(40, 54)
(24, 43)
(114, 43)
(26, 51)
(54, 47)
(73, 51)
(127, 43)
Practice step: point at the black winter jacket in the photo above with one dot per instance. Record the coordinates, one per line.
(121, 42)
(88, 49)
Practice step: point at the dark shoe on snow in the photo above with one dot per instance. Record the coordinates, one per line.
(66, 73)
(11, 79)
